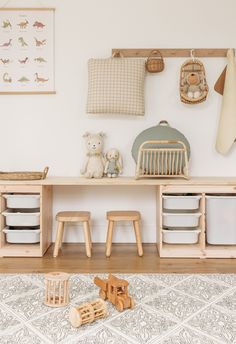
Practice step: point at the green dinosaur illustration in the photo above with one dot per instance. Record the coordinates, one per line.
(7, 78)
(23, 79)
(40, 60)
(6, 23)
(22, 42)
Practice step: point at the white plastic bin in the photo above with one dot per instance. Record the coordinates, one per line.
(178, 202)
(221, 220)
(181, 220)
(22, 201)
(27, 219)
(180, 236)
(22, 236)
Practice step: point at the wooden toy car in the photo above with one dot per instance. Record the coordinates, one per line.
(115, 290)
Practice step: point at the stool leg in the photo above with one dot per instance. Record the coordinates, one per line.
(90, 235)
(109, 238)
(59, 236)
(87, 238)
(62, 234)
(138, 237)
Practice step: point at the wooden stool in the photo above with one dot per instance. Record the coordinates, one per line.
(113, 216)
(73, 216)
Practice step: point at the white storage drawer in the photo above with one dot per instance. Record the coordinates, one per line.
(22, 236)
(181, 220)
(176, 202)
(21, 201)
(27, 219)
(180, 236)
(221, 220)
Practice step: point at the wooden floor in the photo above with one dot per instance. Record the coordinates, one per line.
(124, 258)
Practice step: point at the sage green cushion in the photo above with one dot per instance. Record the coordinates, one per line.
(159, 132)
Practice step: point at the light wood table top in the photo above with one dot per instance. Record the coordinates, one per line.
(124, 181)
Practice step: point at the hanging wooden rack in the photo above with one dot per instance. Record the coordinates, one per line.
(219, 52)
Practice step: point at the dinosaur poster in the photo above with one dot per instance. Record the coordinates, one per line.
(27, 50)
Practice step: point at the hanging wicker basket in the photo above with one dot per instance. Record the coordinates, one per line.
(24, 175)
(155, 62)
(193, 84)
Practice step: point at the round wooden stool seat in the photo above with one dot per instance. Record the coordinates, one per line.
(73, 216)
(126, 215)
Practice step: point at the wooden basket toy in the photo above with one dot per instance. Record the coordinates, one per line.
(57, 289)
(88, 312)
(24, 175)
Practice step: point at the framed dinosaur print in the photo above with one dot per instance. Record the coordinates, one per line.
(27, 54)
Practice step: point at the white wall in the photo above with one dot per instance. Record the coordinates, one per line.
(47, 130)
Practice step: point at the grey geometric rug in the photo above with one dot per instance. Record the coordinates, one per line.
(170, 309)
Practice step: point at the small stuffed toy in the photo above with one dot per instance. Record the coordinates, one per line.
(113, 166)
(94, 164)
(193, 86)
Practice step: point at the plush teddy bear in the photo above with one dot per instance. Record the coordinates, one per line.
(193, 87)
(113, 164)
(94, 164)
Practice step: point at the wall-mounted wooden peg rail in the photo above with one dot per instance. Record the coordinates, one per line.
(171, 52)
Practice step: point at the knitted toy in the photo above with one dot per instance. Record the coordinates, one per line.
(94, 164)
(193, 87)
(113, 164)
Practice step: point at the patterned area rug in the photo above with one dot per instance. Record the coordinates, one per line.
(170, 309)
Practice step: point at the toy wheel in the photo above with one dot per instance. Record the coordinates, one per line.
(119, 306)
(132, 303)
(102, 294)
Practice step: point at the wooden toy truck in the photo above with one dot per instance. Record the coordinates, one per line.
(115, 290)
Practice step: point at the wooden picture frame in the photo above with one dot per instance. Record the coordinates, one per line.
(27, 51)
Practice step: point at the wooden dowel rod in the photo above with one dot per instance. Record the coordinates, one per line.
(175, 52)
(27, 9)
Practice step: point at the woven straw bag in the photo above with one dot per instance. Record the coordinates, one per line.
(155, 62)
(193, 68)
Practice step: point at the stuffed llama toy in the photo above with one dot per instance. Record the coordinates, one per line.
(94, 164)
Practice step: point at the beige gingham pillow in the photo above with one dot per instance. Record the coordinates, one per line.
(116, 86)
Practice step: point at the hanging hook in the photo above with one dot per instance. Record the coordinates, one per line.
(192, 54)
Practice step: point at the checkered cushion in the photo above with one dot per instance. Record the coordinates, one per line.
(116, 86)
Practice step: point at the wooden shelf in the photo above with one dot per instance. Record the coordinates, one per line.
(28, 250)
(21, 250)
(193, 182)
(181, 251)
(202, 249)
(173, 52)
(220, 251)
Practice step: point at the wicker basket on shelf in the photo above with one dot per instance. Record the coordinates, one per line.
(24, 175)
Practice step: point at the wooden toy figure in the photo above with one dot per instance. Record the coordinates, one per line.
(115, 290)
(88, 312)
(56, 293)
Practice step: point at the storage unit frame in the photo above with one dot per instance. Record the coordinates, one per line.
(201, 249)
(27, 250)
(195, 185)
